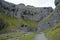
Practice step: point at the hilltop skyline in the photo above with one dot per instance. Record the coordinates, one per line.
(36, 3)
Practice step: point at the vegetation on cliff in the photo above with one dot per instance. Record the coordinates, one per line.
(14, 22)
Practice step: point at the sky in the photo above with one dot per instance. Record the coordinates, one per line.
(36, 3)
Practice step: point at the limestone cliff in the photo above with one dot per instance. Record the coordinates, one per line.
(46, 17)
(26, 12)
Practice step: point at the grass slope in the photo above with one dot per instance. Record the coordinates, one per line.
(13, 22)
(11, 35)
(54, 33)
(27, 22)
(18, 34)
(29, 37)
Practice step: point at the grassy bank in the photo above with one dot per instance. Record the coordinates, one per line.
(14, 22)
(29, 37)
(11, 35)
(18, 34)
(11, 22)
(54, 33)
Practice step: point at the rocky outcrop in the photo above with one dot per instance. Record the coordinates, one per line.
(51, 20)
(7, 8)
(57, 2)
(33, 13)
(26, 12)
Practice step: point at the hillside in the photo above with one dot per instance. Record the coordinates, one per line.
(17, 21)
(12, 23)
(54, 33)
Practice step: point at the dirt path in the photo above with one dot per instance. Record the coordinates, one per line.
(40, 37)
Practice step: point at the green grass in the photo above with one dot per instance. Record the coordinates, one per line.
(54, 33)
(11, 35)
(18, 34)
(29, 37)
(12, 22)
(27, 22)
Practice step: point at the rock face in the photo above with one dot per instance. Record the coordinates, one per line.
(57, 2)
(33, 13)
(37, 14)
(51, 20)
(7, 8)
(26, 12)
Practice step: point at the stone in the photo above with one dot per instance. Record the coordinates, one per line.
(57, 2)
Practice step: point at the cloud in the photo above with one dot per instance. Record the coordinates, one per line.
(37, 3)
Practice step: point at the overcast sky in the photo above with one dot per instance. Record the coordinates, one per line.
(36, 3)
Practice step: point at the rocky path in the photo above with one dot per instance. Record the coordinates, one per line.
(40, 37)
